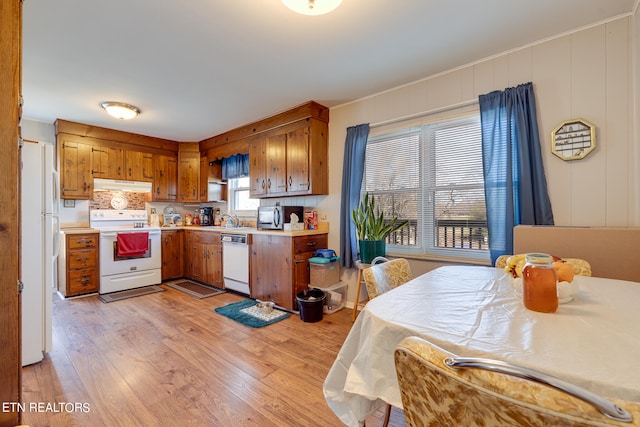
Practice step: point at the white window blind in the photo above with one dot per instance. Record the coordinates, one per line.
(431, 175)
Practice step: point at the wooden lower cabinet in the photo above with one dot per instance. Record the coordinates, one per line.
(279, 266)
(172, 254)
(204, 257)
(81, 267)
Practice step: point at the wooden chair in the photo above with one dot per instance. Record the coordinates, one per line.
(436, 394)
(380, 278)
(360, 281)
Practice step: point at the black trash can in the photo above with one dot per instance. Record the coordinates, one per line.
(310, 303)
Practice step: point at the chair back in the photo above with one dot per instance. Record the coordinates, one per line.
(579, 266)
(435, 394)
(380, 278)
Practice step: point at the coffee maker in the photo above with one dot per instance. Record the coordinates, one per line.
(206, 216)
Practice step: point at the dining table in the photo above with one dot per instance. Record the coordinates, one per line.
(592, 341)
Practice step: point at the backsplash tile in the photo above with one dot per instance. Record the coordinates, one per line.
(102, 199)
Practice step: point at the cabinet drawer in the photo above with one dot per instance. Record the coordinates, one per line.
(205, 237)
(82, 259)
(82, 281)
(82, 241)
(309, 243)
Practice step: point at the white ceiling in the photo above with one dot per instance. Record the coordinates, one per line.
(198, 68)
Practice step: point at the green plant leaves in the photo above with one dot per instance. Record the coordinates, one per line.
(370, 221)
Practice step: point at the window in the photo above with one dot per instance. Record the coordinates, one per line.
(239, 200)
(431, 175)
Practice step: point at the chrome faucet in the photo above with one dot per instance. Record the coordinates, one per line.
(233, 220)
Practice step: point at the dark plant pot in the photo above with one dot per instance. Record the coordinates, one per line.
(369, 249)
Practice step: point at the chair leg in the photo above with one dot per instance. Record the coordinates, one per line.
(356, 303)
(387, 415)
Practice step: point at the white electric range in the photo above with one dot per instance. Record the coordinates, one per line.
(118, 273)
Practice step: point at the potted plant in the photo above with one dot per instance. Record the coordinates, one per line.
(373, 229)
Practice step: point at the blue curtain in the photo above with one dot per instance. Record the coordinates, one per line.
(235, 166)
(352, 171)
(515, 184)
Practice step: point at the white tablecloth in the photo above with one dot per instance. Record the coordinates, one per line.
(593, 341)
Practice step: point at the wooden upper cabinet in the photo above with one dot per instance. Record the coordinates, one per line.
(107, 162)
(314, 141)
(298, 161)
(75, 168)
(138, 166)
(268, 166)
(288, 152)
(212, 187)
(204, 178)
(165, 178)
(290, 163)
(188, 176)
(277, 165)
(258, 168)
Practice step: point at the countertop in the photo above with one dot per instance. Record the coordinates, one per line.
(239, 230)
(249, 230)
(78, 230)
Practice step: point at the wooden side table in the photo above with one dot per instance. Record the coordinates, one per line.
(361, 266)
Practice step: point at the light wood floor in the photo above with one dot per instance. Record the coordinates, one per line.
(168, 359)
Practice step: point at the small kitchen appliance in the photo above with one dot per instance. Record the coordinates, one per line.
(275, 217)
(171, 220)
(206, 216)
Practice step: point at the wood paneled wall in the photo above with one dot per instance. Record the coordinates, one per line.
(10, 75)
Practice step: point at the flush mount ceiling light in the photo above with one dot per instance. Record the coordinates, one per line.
(312, 7)
(120, 110)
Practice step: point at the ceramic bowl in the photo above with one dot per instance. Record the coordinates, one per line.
(266, 306)
(568, 290)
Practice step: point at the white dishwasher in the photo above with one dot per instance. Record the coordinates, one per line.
(235, 262)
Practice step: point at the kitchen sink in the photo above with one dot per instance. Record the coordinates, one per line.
(222, 227)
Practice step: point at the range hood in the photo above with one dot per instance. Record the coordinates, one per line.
(121, 185)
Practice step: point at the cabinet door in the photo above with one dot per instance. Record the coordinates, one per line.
(277, 164)
(172, 178)
(107, 162)
(271, 269)
(165, 172)
(147, 167)
(204, 178)
(197, 256)
(172, 250)
(75, 174)
(298, 161)
(188, 176)
(214, 265)
(138, 166)
(258, 168)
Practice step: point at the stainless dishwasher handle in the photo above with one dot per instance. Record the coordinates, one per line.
(605, 406)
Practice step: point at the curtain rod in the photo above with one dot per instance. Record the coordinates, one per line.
(425, 113)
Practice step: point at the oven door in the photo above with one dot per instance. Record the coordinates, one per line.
(111, 263)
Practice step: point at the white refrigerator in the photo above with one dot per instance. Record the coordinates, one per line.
(40, 241)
